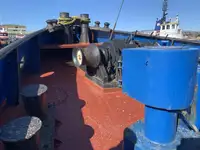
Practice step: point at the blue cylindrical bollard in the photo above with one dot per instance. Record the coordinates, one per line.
(21, 133)
(168, 122)
(162, 78)
(34, 99)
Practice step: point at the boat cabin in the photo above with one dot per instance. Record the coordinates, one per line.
(171, 28)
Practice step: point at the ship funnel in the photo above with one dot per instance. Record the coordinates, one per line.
(85, 20)
(106, 25)
(97, 24)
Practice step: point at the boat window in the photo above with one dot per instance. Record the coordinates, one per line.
(168, 26)
(3, 34)
(173, 26)
(163, 27)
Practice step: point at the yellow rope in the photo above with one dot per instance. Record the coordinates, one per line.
(68, 21)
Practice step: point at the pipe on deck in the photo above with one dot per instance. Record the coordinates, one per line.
(63, 46)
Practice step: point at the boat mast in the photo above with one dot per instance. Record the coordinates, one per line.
(164, 9)
(111, 35)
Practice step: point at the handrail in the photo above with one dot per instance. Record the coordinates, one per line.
(63, 46)
(9, 48)
(147, 35)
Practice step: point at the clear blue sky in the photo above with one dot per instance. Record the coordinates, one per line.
(135, 15)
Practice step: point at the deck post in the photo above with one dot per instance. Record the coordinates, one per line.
(34, 99)
(34, 56)
(163, 79)
(21, 134)
(85, 20)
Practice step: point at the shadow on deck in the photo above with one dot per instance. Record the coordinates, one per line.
(87, 117)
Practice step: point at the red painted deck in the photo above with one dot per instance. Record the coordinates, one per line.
(91, 118)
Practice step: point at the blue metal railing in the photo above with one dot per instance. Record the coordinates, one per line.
(26, 51)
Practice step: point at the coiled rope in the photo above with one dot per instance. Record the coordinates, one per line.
(71, 20)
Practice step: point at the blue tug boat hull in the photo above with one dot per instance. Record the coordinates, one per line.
(101, 61)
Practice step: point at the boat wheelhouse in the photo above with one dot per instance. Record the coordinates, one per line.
(171, 28)
(167, 27)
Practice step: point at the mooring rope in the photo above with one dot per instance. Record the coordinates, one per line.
(71, 20)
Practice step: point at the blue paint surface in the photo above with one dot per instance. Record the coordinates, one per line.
(135, 139)
(30, 51)
(161, 77)
(10, 78)
(165, 130)
(2, 93)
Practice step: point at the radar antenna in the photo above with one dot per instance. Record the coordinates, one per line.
(164, 9)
